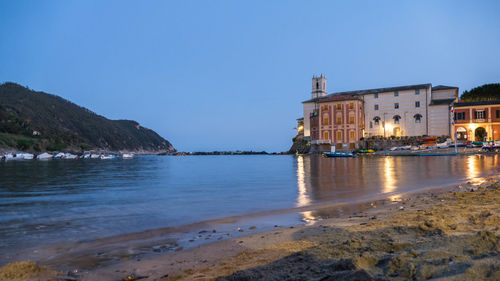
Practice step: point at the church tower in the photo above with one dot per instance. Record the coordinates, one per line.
(318, 86)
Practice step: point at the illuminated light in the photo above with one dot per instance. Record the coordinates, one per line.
(388, 127)
(308, 218)
(389, 180)
(303, 197)
(472, 171)
(395, 198)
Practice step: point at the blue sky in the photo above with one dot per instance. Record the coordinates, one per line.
(226, 75)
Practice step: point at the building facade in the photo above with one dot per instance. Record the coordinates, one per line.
(337, 121)
(477, 121)
(413, 110)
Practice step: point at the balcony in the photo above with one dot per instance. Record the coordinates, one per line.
(321, 142)
(479, 120)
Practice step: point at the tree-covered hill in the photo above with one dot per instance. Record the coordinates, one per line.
(36, 121)
(482, 93)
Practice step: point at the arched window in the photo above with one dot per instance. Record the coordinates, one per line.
(396, 119)
(376, 120)
(418, 118)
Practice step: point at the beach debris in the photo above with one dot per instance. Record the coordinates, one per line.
(214, 231)
(203, 231)
(401, 207)
(191, 240)
(252, 227)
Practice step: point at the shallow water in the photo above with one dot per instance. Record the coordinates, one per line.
(45, 202)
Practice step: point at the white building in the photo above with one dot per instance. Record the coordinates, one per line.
(413, 110)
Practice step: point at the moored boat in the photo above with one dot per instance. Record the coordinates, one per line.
(338, 154)
(127, 155)
(107, 157)
(44, 156)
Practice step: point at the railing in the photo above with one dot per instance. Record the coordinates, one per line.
(481, 120)
(321, 142)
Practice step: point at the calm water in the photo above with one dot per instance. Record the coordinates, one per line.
(43, 202)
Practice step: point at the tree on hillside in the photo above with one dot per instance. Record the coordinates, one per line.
(482, 93)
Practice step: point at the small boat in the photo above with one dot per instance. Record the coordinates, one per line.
(9, 156)
(94, 156)
(24, 156)
(70, 156)
(59, 155)
(107, 157)
(127, 155)
(44, 156)
(338, 154)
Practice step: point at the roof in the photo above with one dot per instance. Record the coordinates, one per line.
(442, 102)
(338, 98)
(371, 91)
(443, 87)
(472, 103)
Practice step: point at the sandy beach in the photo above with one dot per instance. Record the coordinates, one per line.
(449, 233)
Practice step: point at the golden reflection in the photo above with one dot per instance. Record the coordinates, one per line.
(308, 218)
(395, 198)
(389, 180)
(303, 197)
(472, 171)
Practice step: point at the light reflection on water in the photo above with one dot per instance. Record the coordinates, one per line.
(53, 201)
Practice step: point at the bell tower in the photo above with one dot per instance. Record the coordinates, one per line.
(318, 86)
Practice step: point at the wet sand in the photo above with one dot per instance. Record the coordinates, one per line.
(450, 233)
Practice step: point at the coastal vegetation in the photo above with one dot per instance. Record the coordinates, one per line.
(36, 121)
(485, 92)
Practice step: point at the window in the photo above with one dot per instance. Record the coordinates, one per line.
(325, 136)
(376, 95)
(376, 119)
(325, 107)
(461, 115)
(339, 120)
(339, 145)
(479, 114)
(352, 145)
(376, 107)
(351, 135)
(339, 135)
(396, 119)
(417, 92)
(371, 125)
(325, 120)
(396, 105)
(339, 106)
(396, 94)
(317, 85)
(351, 119)
(498, 113)
(418, 118)
(351, 105)
(417, 104)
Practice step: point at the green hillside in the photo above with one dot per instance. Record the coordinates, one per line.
(483, 93)
(65, 126)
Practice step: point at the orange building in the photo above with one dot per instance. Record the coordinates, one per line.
(477, 121)
(337, 120)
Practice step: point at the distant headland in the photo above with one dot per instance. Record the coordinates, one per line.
(35, 122)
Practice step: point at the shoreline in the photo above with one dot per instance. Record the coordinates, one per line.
(184, 263)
